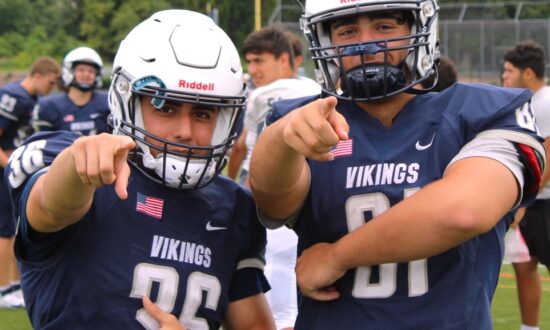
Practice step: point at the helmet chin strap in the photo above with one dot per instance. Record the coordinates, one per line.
(84, 87)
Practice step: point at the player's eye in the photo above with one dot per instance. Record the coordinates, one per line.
(205, 113)
(167, 109)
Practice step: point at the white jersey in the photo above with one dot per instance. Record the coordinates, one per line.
(261, 100)
(280, 260)
(541, 106)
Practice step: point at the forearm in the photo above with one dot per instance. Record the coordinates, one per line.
(435, 219)
(279, 175)
(59, 198)
(251, 313)
(3, 159)
(236, 157)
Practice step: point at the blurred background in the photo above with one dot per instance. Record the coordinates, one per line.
(474, 35)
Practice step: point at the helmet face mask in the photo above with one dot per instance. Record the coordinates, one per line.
(159, 60)
(81, 55)
(372, 81)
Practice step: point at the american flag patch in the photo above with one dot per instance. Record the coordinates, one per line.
(151, 206)
(68, 118)
(343, 148)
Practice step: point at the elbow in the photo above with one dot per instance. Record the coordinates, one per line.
(469, 223)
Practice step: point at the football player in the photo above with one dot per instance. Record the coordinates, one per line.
(279, 70)
(107, 220)
(524, 67)
(83, 108)
(400, 197)
(17, 100)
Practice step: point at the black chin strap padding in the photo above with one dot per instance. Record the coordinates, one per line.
(372, 81)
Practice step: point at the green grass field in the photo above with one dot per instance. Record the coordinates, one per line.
(505, 306)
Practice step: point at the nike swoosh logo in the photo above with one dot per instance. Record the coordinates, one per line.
(95, 115)
(424, 147)
(209, 227)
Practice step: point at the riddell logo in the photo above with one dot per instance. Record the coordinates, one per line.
(196, 85)
(348, 1)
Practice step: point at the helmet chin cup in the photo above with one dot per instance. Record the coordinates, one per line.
(364, 82)
(178, 172)
(149, 161)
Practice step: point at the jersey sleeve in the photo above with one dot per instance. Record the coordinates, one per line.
(514, 121)
(283, 107)
(249, 278)
(26, 165)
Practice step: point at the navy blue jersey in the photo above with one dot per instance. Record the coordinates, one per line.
(193, 251)
(58, 112)
(16, 106)
(380, 167)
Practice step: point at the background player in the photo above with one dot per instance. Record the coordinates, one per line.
(283, 83)
(17, 100)
(269, 56)
(418, 192)
(524, 67)
(82, 109)
(109, 219)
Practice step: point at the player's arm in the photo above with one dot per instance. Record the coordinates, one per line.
(476, 191)
(469, 200)
(251, 313)
(3, 156)
(279, 173)
(64, 193)
(237, 155)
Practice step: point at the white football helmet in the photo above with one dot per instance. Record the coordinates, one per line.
(371, 82)
(77, 56)
(182, 56)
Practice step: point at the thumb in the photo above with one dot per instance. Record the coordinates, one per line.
(165, 319)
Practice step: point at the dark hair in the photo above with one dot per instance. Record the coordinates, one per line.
(296, 42)
(271, 40)
(44, 65)
(528, 54)
(447, 75)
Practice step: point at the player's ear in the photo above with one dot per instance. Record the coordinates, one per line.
(285, 58)
(529, 74)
